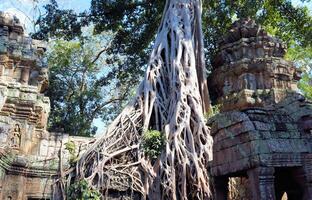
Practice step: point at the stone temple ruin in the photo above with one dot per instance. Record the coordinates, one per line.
(263, 132)
(29, 154)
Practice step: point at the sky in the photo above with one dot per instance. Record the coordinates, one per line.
(28, 10)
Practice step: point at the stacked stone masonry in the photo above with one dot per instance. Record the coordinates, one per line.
(263, 132)
(29, 154)
(249, 69)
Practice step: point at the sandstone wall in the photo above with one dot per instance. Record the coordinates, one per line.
(29, 154)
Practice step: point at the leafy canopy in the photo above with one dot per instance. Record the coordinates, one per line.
(78, 92)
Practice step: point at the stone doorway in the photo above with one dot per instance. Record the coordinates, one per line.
(288, 180)
(266, 183)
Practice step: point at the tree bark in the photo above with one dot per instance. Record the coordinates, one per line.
(172, 98)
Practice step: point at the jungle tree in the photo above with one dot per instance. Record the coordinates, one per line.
(172, 99)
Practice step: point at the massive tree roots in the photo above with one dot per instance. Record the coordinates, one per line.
(172, 99)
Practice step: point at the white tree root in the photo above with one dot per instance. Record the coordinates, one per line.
(172, 99)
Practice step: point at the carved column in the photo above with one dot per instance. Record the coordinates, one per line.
(261, 181)
(221, 187)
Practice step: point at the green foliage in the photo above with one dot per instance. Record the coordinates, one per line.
(70, 146)
(133, 25)
(305, 85)
(81, 191)
(56, 23)
(72, 92)
(212, 112)
(81, 90)
(302, 57)
(153, 143)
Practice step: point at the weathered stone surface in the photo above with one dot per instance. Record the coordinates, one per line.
(29, 154)
(249, 69)
(264, 129)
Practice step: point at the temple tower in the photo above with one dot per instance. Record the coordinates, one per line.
(263, 132)
(29, 154)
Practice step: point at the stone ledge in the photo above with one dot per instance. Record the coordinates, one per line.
(18, 165)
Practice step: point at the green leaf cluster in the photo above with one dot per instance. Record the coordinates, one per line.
(80, 190)
(278, 17)
(70, 146)
(58, 23)
(305, 85)
(153, 143)
(82, 88)
(72, 91)
(302, 58)
(215, 109)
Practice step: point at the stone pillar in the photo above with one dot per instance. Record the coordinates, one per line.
(261, 181)
(221, 187)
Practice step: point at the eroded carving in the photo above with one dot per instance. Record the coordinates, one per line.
(263, 132)
(254, 61)
(15, 137)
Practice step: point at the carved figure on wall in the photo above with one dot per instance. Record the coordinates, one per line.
(15, 139)
(248, 81)
(227, 87)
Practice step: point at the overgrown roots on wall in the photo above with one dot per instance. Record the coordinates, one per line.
(171, 98)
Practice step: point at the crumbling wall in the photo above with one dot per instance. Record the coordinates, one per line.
(29, 154)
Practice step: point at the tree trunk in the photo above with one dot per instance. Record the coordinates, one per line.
(172, 99)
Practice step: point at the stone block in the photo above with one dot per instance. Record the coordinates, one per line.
(227, 119)
(265, 135)
(13, 93)
(28, 96)
(261, 126)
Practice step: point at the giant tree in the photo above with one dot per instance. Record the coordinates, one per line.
(172, 98)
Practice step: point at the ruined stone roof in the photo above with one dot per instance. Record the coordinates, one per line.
(14, 44)
(247, 40)
(11, 22)
(249, 69)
